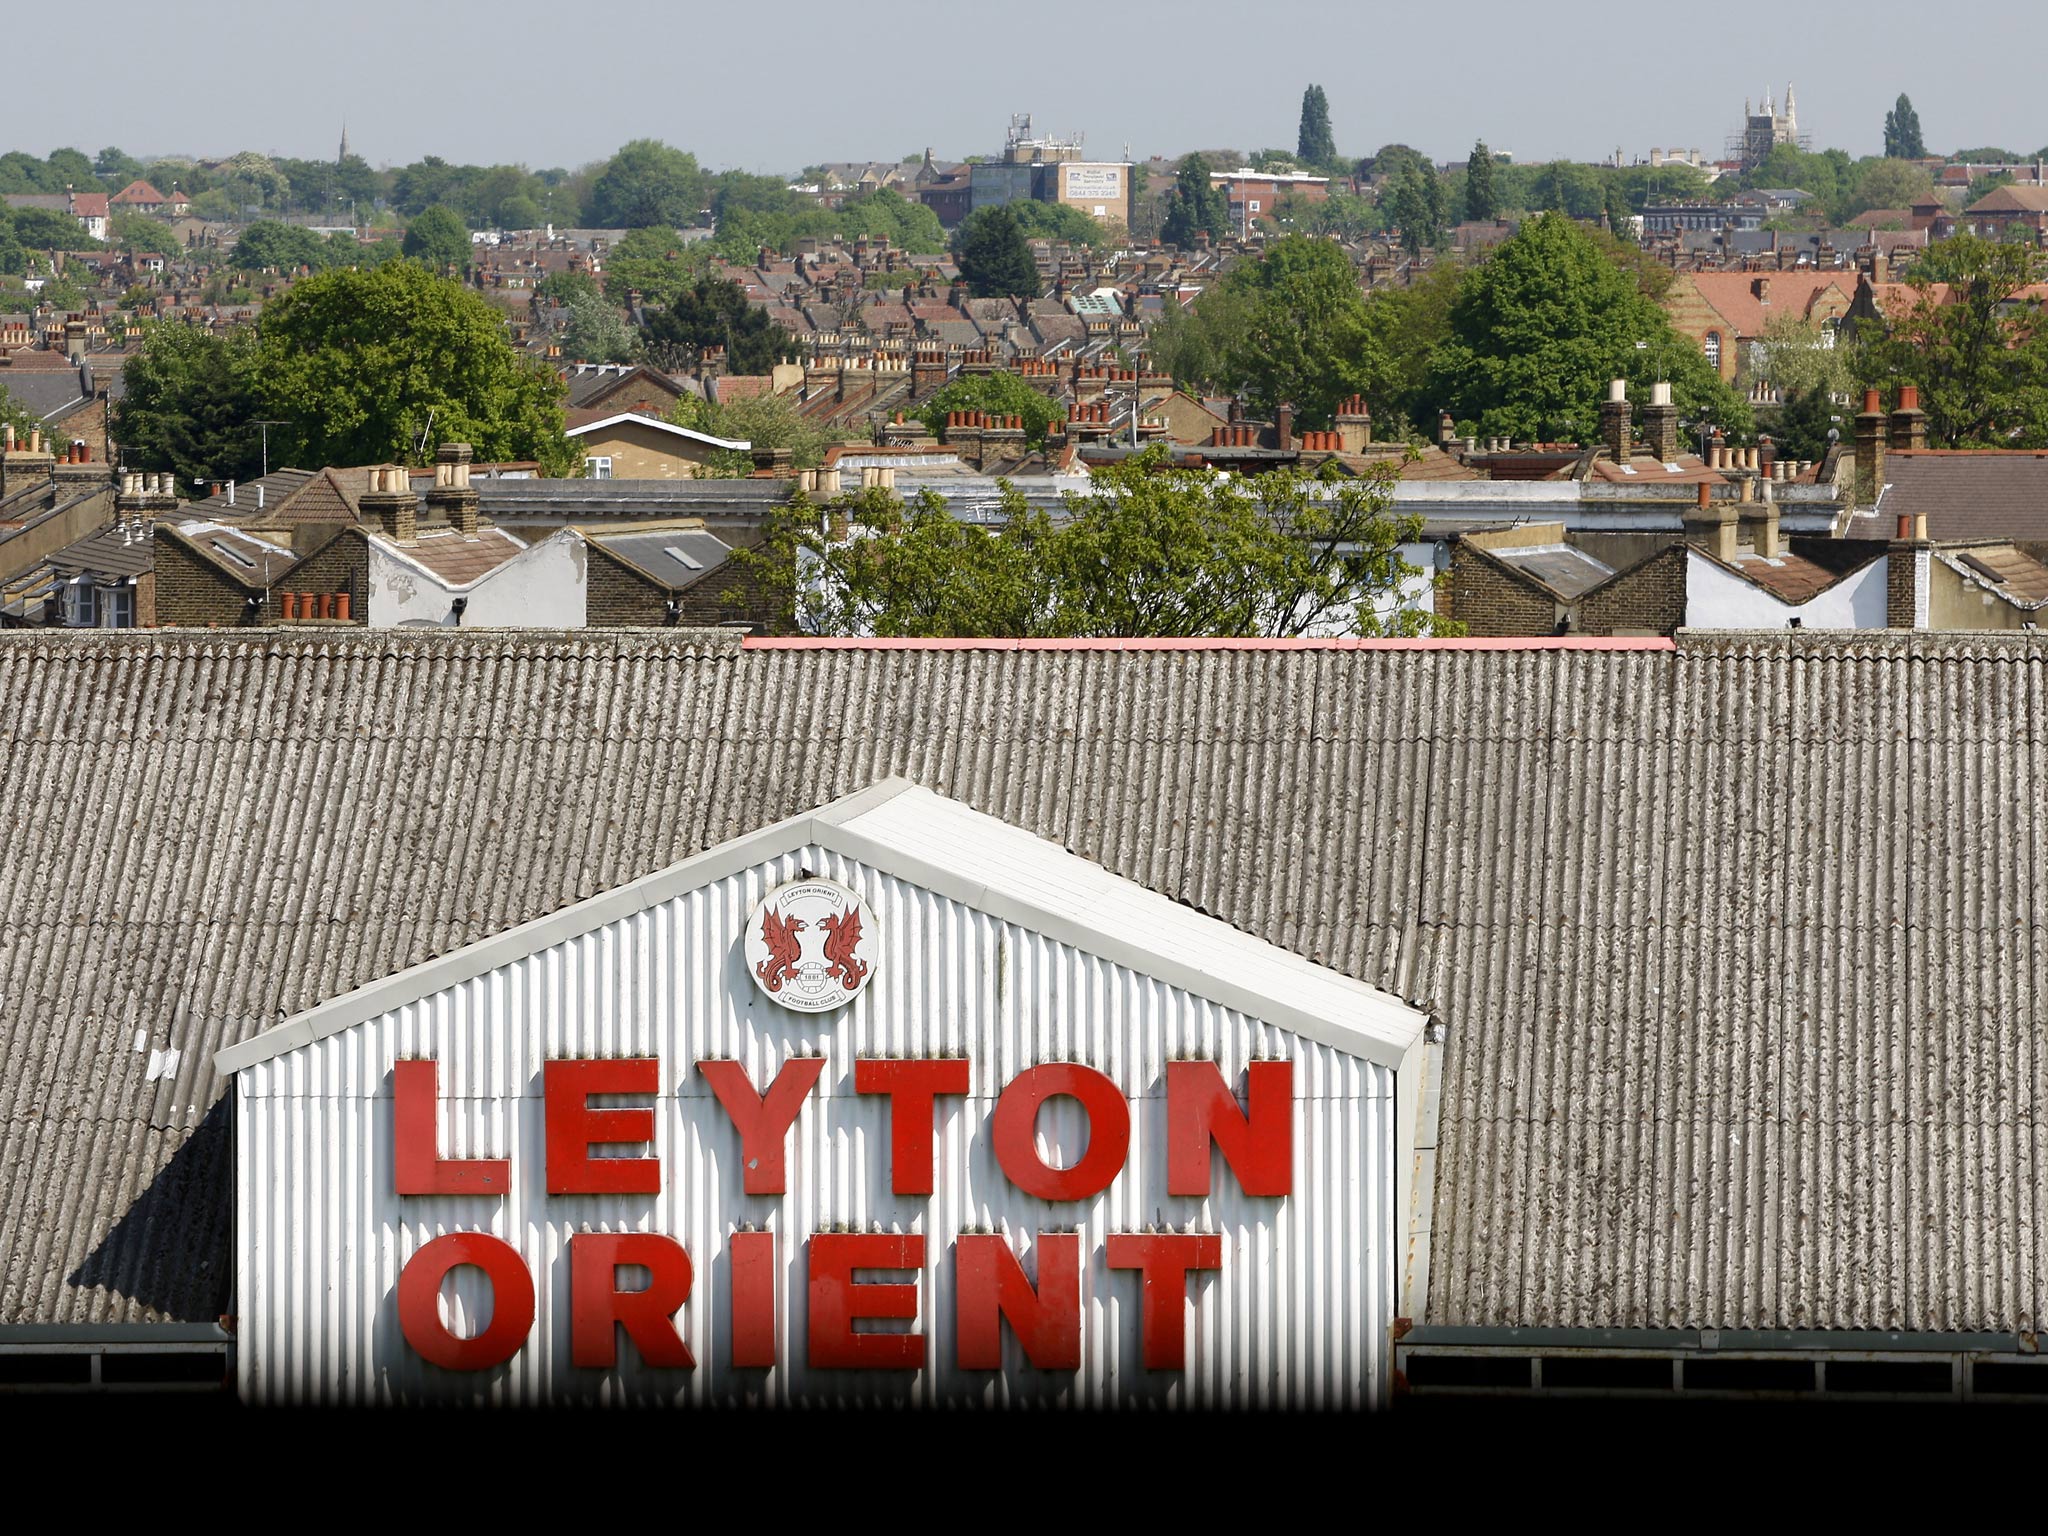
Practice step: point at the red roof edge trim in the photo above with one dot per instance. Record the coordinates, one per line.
(1541, 643)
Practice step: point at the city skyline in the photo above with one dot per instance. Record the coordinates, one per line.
(1531, 87)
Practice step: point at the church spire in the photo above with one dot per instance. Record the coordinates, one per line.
(1791, 112)
(343, 155)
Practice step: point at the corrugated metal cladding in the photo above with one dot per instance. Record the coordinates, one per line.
(1298, 1315)
(1738, 947)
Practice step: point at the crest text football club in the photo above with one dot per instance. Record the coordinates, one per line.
(811, 945)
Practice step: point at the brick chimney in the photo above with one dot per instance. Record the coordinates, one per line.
(389, 506)
(1909, 422)
(1870, 433)
(74, 340)
(1615, 420)
(453, 499)
(1713, 525)
(1909, 562)
(1660, 424)
(24, 462)
(141, 495)
(1354, 425)
(1283, 426)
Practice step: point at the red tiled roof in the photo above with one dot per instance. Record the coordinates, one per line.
(139, 192)
(1733, 295)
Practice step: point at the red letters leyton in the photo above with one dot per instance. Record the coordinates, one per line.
(753, 1298)
(763, 1120)
(1014, 1129)
(596, 1302)
(993, 1286)
(911, 1086)
(1259, 1145)
(417, 1166)
(419, 1301)
(1165, 1258)
(836, 1300)
(573, 1127)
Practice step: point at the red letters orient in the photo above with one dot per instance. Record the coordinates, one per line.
(993, 1287)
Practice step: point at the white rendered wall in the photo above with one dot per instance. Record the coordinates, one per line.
(542, 587)
(1718, 599)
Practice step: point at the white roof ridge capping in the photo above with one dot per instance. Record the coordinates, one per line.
(968, 856)
(661, 426)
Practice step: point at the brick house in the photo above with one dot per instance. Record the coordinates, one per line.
(1724, 311)
(630, 446)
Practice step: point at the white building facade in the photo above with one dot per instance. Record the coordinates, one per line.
(1058, 1140)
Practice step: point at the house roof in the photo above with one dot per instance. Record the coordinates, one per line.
(973, 858)
(636, 419)
(675, 555)
(1969, 494)
(139, 191)
(1734, 295)
(1565, 569)
(252, 561)
(1675, 1014)
(453, 559)
(2016, 198)
(2019, 579)
(1788, 577)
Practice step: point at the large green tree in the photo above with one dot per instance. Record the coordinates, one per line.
(1196, 206)
(1314, 144)
(1902, 139)
(997, 394)
(1978, 355)
(994, 256)
(596, 332)
(648, 184)
(1540, 328)
(715, 313)
(654, 263)
(438, 239)
(189, 404)
(1289, 328)
(267, 244)
(1148, 550)
(1416, 207)
(1482, 205)
(385, 364)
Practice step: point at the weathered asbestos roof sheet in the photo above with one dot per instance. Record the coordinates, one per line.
(1738, 945)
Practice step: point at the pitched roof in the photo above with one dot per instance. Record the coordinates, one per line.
(674, 554)
(1788, 577)
(954, 850)
(656, 424)
(453, 559)
(1675, 1016)
(139, 191)
(2019, 579)
(1734, 296)
(1970, 494)
(2016, 198)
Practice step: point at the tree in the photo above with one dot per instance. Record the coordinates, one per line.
(1540, 328)
(909, 226)
(1390, 161)
(1148, 550)
(1481, 204)
(1902, 139)
(1888, 184)
(285, 247)
(1620, 223)
(1059, 221)
(383, 365)
(45, 229)
(115, 169)
(769, 422)
(1979, 358)
(1416, 207)
(715, 313)
(139, 232)
(1984, 186)
(1407, 326)
(1315, 145)
(648, 184)
(1196, 206)
(993, 255)
(566, 287)
(189, 404)
(438, 239)
(654, 264)
(1796, 356)
(595, 332)
(1800, 428)
(14, 414)
(1289, 328)
(997, 394)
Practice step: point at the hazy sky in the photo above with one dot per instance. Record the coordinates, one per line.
(782, 83)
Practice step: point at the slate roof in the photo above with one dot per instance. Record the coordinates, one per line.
(676, 555)
(1761, 1059)
(1968, 493)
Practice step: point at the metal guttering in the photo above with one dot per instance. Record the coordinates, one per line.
(976, 860)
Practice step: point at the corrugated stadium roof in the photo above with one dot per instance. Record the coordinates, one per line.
(1738, 943)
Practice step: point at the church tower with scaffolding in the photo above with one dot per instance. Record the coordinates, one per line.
(1763, 131)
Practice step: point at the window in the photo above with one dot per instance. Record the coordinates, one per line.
(117, 608)
(597, 469)
(1713, 348)
(1255, 205)
(79, 608)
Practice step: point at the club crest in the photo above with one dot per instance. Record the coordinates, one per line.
(811, 945)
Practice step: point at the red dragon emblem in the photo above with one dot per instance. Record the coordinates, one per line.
(843, 937)
(779, 934)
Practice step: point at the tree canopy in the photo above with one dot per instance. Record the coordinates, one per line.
(189, 403)
(1196, 206)
(1482, 204)
(1314, 143)
(438, 239)
(1902, 139)
(994, 255)
(285, 247)
(648, 184)
(1539, 329)
(383, 365)
(998, 394)
(715, 313)
(1147, 550)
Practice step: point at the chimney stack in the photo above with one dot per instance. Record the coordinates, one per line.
(389, 504)
(1615, 420)
(1283, 426)
(1713, 526)
(1870, 432)
(453, 498)
(1660, 424)
(1909, 422)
